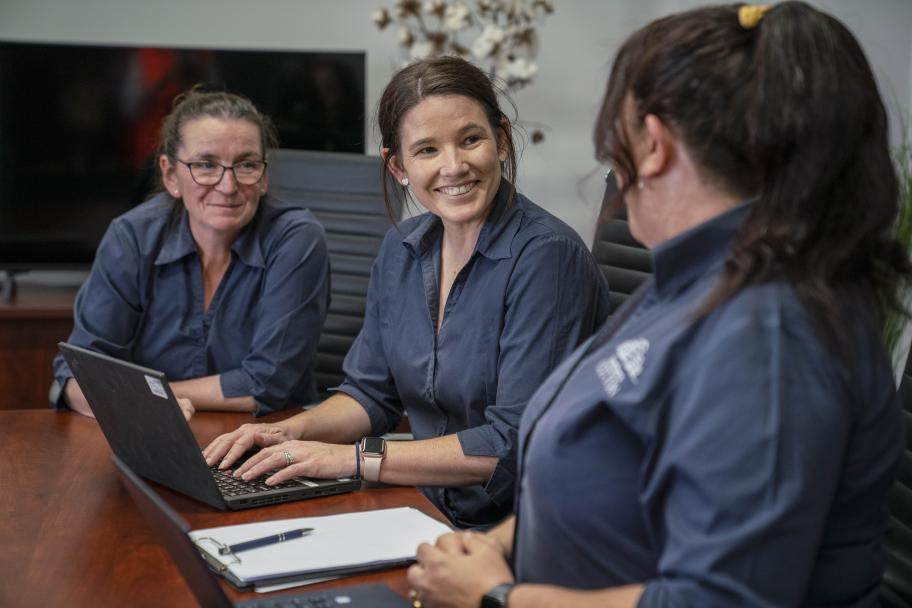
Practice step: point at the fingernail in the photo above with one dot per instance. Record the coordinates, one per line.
(270, 481)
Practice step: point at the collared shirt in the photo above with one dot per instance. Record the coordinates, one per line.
(729, 460)
(529, 294)
(143, 302)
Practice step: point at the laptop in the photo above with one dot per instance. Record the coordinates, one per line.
(144, 425)
(171, 530)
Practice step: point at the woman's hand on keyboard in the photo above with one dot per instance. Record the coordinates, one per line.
(300, 458)
(226, 449)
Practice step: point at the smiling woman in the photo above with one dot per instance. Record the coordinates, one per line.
(215, 283)
(450, 156)
(218, 201)
(469, 307)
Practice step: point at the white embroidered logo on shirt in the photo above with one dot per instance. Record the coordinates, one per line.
(610, 373)
(627, 362)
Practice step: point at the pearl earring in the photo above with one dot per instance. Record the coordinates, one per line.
(404, 181)
(640, 184)
(503, 156)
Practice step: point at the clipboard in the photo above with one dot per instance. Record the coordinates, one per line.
(340, 545)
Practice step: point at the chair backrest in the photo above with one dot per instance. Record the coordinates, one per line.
(345, 194)
(624, 261)
(896, 590)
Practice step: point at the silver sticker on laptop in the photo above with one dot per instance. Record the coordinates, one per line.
(156, 387)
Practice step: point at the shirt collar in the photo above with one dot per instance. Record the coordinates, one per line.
(247, 245)
(178, 241)
(494, 240)
(681, 260)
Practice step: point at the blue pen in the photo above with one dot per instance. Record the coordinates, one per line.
(265, 541)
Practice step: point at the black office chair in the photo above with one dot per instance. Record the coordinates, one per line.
(896, 591)
(623, 260)
(344, 192)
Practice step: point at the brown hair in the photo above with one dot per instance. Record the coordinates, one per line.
(787, 112)
(437, 76)
(199, 103)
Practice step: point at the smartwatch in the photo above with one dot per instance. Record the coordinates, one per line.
(497, 597)
(373, 451)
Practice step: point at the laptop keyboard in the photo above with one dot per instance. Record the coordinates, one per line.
(231, 486)
(358, 596)
(316, 601)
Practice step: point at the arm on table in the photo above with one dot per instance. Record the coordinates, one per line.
(430, 462)
(289, 314)
(462, 566)
(206, 394)
(74, 397)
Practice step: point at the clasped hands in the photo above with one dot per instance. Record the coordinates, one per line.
(308, 458)
(458, 570)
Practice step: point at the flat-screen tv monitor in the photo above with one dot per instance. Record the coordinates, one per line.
(78, 129)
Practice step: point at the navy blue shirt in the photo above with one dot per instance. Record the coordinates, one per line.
(143, 302)
(731, 460)
(530, 293)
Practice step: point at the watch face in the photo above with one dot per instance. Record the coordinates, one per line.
(373, 445)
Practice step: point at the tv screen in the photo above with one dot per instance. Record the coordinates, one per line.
(78, 128)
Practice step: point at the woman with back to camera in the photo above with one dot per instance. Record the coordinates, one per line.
(212, 281)
(469, 308)
(735, 427)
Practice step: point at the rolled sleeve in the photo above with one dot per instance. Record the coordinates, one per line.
(742, 490)
(498, 438)
(382, 419)
(290, 313)
(236, 383)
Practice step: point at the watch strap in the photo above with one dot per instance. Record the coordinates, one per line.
(372, 461)
(497, 597)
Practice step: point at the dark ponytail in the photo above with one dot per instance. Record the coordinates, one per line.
(787, 112)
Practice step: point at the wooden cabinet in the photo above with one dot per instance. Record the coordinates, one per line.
(31, 325)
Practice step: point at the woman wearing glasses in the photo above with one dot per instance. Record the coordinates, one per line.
(212, 281)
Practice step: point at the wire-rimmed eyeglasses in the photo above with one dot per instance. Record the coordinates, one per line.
(209, 173)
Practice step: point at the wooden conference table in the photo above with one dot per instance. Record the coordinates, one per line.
(71, 536)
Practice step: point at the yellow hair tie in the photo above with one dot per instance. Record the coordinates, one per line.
(749, 15)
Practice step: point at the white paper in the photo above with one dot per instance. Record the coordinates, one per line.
(379, 537)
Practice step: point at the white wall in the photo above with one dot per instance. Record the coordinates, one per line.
(577, 45)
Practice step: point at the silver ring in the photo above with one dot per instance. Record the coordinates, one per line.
(289, 459)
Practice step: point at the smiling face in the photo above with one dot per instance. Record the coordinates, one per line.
(451, 156)
(222, 210)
